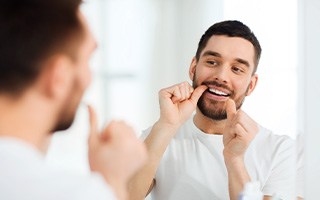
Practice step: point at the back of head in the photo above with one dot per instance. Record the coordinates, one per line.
(230, 28)
(30, 32)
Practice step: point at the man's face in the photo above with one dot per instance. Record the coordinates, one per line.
(80, 80)
(225, 65)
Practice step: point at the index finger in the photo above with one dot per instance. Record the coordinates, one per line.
(93, 123)
(197, 93)
(230, 108)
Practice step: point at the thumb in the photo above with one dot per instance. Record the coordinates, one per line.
(93, 130)
(197, 93)
(230, 108)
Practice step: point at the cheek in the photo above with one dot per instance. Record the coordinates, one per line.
(201, 75)
(85, 77)
(242, 87)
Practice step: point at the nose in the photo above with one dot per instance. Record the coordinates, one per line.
(221, 74)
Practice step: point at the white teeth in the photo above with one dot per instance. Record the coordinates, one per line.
(217, 91)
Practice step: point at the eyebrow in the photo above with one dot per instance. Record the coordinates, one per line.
(242, 61)
(211, 53)
(216, 54)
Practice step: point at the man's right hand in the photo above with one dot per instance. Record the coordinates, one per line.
(176, 105)
(116, 153)
(178, 102)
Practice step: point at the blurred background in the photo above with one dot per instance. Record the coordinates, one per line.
(145, 45)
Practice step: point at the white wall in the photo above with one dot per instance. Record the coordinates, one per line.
(309, 15)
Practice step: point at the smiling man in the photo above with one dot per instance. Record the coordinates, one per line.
(215, 152)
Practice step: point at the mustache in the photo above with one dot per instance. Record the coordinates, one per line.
(217, 84)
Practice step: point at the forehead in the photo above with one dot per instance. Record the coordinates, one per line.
(231, 48)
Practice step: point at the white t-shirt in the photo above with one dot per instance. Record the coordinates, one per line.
(25, 175)
(193, 166)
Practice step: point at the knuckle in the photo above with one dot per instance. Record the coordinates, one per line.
(160, 91)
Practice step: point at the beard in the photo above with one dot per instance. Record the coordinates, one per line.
(68, 109)
(64, 123)
(213, 109)
(66, 118)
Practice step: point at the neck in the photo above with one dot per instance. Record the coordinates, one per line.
(208, 125)
(22, 119)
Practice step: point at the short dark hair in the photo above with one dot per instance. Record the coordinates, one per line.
(231, 28)
(30, 32)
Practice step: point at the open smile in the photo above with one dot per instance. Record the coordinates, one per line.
(218, 92)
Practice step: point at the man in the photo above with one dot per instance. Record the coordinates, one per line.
(214, 153)
(44, 54)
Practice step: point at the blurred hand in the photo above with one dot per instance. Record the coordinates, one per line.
(116, 153)
(178, 102)
(239, 132)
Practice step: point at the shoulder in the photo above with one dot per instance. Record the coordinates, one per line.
(267, 137)
(49, 182)
(267, 141)
(273, 156)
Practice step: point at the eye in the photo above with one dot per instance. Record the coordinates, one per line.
(237, 69)
(212, 62)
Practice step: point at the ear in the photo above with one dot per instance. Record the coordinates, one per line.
(252, 85)
(57, 76)
(192, 68)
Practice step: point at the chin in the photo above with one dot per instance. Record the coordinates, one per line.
(215, 115)
(64, 122)
(213, 110)
(62, 126)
